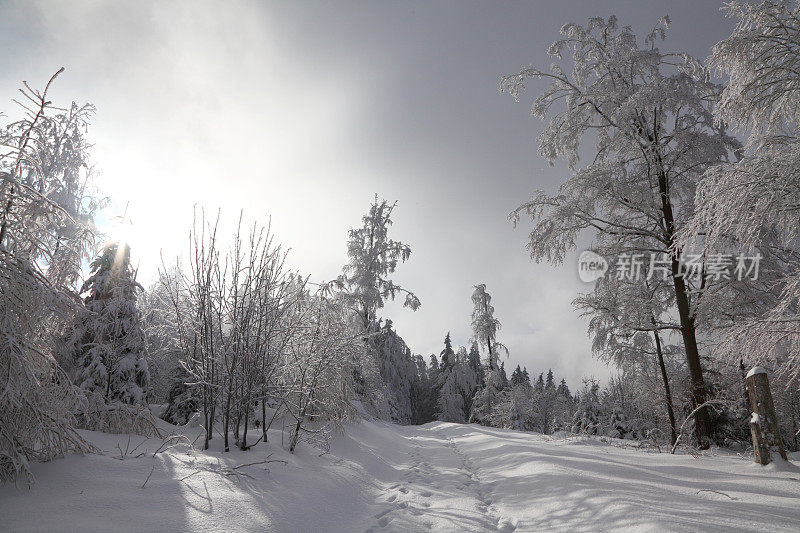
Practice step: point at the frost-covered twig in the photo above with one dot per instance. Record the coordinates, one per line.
(169, 442)
(691, 415)
(148, 476)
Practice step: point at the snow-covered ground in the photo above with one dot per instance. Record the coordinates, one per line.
(383, 477)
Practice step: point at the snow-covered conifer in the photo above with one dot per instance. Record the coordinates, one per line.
(398, 371)
(108, 341)
(588, 417)
(183, 399)
(476, 365)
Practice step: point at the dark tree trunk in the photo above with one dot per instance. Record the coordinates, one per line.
(667, 391)
(688, 330)
(264, 414)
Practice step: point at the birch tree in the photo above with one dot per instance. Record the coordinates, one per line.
(752, 204)
(649, 113)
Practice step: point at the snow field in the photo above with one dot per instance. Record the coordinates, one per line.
(383, 477)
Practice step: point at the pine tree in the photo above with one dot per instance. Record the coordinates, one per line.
(515, 410)
(447, 355)
(549, 383)
(458, 385)
(433, 369)
(108, 339)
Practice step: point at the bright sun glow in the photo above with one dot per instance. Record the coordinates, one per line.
(122, 233)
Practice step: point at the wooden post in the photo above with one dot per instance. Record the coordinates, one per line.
(763, 422)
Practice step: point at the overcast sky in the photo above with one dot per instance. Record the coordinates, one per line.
(302, 111)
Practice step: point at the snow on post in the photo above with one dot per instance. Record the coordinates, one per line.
(763, 422)
(755, 370)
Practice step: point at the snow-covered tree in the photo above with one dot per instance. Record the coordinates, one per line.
(630, 319)
(503, 376)
(373, 258)
(457, 385)
(649, 113)
(433, 370)
(447, 356)
(563, 389)
(476, 365)
(588, 417)
(488, 398)
(398, 370)
(108, 339)
(183, 399)
(545, 406)
(163, 351)
(564, 406)
(750, 205)
(45, 235)
(485, 326)
(423, 401)
(450, 402)
(519, 378)
(515, 410)
(539, 385)
(318, 363)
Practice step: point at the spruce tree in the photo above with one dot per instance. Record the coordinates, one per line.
(517, 377)
(476, 366)
(563, 389)
(447, 355)
(108, 338)
(539, 385)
